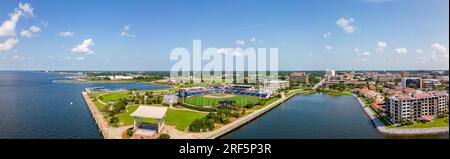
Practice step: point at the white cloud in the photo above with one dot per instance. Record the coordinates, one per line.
(8, 27)
(327, 35)
(8, 44)
(125, 32)
(419, 51)
(84, 47)
(347, 25)
(366, 53)
(222, 51)
(438, 48)
(240, 42)
(80, 58)
(328, 47)
(381, 45)
(356, 49)
(27, 9)
(401, 51)
(253, 39)
(29, 33)
(363, 54)
(237, 53)
(66, 34)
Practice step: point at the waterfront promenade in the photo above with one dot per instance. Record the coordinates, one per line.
(398, 131)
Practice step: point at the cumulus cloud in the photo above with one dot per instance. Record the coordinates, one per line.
(438, 48)
(327, 35)
(8, 44)
(29, 32)
(356, 49)
(381, 46)
(66, 34)
(401, 51)
(84, 47)
(328, 47)
(253, 39)
(8, 27)
(125, 32)
(347, 25)
(27, 9)
(240, 42)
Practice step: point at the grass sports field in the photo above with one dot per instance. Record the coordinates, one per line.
(212, 99)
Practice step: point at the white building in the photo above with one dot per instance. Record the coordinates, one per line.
(330, 72)
(120, 77)
(273, 86)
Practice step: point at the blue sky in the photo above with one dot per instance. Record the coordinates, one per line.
(310, 34)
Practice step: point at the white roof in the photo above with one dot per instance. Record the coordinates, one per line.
(149, 112)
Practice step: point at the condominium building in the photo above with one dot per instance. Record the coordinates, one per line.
(301, 77)
(417, 105)
(273, 86)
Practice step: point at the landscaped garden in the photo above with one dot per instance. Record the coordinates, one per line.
(438, 122)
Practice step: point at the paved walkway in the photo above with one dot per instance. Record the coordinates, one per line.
(97, 115)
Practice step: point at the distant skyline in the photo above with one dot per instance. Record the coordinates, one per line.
(309, 34)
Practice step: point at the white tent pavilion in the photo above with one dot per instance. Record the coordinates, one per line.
(170, 99)
(150, 112)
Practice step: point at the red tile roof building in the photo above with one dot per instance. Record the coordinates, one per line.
(416, 105)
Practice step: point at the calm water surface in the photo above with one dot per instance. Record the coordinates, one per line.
(315, 116)
(33, 106)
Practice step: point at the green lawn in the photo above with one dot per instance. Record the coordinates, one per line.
(336, 92)
(203, 101)
(112, 97)
(439, 122)
(99, 105)
(181, 119)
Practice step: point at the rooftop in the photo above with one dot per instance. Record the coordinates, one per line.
(149, 112)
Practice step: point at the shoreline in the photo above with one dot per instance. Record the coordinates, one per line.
(398, 131)
(226, 129)
(99, 119)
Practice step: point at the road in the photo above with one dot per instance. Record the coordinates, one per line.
(320, 83)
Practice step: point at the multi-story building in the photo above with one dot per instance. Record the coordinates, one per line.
(301, 77)
(431, 83)
(412, 82)
(273, 86)
(417, 106)
(386, 78)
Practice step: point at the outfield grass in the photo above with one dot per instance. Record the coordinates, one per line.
(181, 119)
(204, 101)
